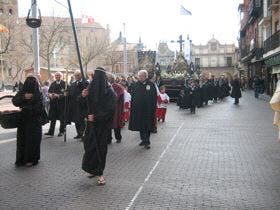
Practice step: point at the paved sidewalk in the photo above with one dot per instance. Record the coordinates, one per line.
(224, 157)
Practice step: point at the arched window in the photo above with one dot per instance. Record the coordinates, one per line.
(10, 11)
(1, 11)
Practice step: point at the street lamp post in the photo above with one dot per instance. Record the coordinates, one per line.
(35, 39)
(124, 52)
(2, 69)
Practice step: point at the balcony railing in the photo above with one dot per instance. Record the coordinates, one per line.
(244, 20)
(272, 42)
(269, 2)
(245, 51)
(255, 8)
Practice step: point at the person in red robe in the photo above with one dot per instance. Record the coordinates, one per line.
(117, 121)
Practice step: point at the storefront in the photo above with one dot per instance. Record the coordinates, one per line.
(272, 65)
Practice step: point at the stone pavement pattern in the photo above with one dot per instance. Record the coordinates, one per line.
(224, 157)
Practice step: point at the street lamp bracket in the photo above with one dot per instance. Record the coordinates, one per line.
(34, 22)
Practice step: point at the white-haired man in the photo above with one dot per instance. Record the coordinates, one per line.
(143, 107)
(56, 111)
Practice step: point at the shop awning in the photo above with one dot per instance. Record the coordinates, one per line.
(276, 69)
(273, 61)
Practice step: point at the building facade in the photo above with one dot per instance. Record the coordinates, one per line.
(57, 46)
(259, 41)
(114, 57)
(214, 58)
(165, 57)
(8, 18)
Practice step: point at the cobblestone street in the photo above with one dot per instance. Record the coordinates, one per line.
(223, 157)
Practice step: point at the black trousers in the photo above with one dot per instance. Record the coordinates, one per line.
(192, 108)
(236, 101)
(80, 127)
(117, 132)
(52, 127)
(118, 135)
(145, 137)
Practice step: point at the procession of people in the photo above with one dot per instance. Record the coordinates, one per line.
(100, 106)
(197, 93)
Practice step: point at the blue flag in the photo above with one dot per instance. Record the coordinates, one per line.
(184, 11)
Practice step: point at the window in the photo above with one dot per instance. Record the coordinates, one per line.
(229, 61)
(1, 11)
(162, 62)
(10, 11)
(213, 46)
(197, 61)
(276, 25)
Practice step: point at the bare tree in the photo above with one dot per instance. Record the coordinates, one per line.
(51, 39)
(6, 36)
(92, 48)
(18, 61)
(113, 55)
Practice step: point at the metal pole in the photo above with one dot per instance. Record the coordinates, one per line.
(124, 52)
(76, 40)
(2, 70)
(35, 39)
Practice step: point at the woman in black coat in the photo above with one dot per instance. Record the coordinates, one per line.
(29, 132)
(101, 101)
(236, 89)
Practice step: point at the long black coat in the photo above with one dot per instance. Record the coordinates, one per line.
(77, 108)
(29, 132)
(98, 132)
(235, 92)
(56, 111)
(143, 106)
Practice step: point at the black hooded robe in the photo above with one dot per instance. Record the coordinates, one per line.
(29, 131)
(101, 103)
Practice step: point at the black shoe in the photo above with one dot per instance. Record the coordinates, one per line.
(34, 163)
(78, 137)
(48, 134)
(18, 164)
(147, 146)
(141, 143)
(154, 131)
(118, 141)
(60, 134)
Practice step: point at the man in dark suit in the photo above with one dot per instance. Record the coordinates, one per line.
(143, 107)
(77, 104)
(57, 101)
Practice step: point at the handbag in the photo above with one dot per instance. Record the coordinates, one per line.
(10, 119)
(275, 101)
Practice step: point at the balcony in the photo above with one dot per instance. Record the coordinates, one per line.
(255, 9)
(245, 51)
(273, 5)
(244, 21)
(258, 53)
(266, 17)
(272, 42)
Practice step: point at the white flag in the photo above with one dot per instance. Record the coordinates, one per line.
(184, 11)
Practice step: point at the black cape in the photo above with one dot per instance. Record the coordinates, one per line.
(98, 132)
(143, 106)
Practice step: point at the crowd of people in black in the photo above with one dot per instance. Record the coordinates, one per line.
(100, 105)
(197, 93)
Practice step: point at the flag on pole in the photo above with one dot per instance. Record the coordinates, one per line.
(184, 11)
